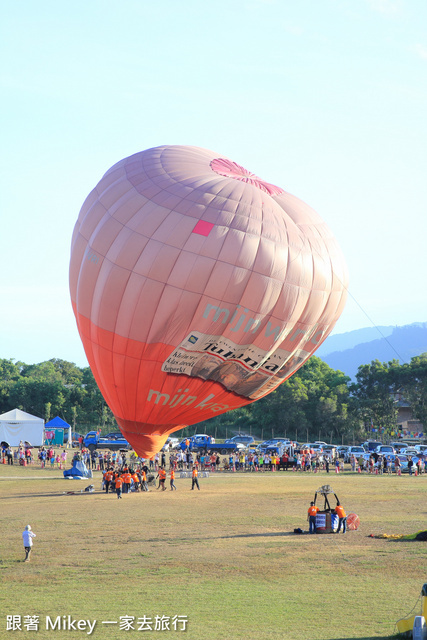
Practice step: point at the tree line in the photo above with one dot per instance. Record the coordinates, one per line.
(316, 403)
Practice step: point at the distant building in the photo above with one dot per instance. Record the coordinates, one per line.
(406, 423)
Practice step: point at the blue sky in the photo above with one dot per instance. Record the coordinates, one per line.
(325, 98)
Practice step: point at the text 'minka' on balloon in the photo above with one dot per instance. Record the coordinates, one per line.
(197, 288)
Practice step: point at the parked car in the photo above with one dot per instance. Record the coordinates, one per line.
(421, 448)
(409, 451)
(398, 446)
(75, 436)
(371, 445)
(330, 450)
(93, 441)
(355, 450)
(317, 448)
(239, 445)
(342, 450)
(246, 440)
(170, 444)
(385, 450)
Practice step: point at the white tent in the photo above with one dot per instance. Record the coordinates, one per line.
(17, 426)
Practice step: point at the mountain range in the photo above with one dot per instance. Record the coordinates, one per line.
(347, 351)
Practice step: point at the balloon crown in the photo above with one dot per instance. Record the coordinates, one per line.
(230, 169)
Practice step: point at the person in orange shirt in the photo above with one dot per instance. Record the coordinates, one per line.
(119, 483)
(127, 480)
(194, 480)
(135, 480)
(312, 512)
(144, 485)
(172, 479)
(108, 476)
(339, 510)
(162, 477)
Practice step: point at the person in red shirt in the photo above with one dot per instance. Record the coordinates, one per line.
(312, 512)
(172, 479)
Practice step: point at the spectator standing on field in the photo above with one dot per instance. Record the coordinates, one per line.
(9, 455)
(27, 537)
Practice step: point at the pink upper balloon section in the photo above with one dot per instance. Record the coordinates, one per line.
(191, 276)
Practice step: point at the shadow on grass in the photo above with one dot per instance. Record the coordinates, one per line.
(53, 495)
(274, 534)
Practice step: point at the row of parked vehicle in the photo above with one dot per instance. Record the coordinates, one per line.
(377, 448)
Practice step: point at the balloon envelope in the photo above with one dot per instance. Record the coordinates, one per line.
(197, 288)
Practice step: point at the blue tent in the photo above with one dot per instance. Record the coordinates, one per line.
(57, 423)
(78, 470)
(60, 429)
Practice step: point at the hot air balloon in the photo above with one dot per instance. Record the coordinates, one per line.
(197, 288)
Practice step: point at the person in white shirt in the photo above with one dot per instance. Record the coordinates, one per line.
(27, 537)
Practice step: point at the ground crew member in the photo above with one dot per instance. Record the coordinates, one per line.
(195, 482)
(119, 483)
(108, 476)
(312, 512)
(127, 480)
(144, 485)
(339, 510)
(162, 477)
(135, 481)
(172, 479)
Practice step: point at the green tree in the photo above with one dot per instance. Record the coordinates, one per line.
(9, 375)
(414, 386)
(374, 394)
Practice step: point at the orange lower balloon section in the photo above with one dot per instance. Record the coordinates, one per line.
(148, 403)
(146, 439)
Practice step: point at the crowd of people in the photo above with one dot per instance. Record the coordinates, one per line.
(24, 455)
(121, 476)
(305, 461)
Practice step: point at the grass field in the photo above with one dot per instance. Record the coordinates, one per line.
(225, 558)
